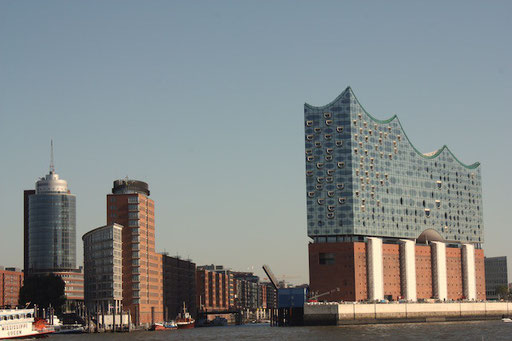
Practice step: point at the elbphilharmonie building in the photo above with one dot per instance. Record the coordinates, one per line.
(386, 220)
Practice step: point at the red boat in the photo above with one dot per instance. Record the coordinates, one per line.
(164, 326)
(184, 320)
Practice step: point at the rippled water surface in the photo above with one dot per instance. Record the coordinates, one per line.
(479, 330)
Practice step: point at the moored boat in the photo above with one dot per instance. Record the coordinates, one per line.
(20, 323)
(184, 320)
(165, 326)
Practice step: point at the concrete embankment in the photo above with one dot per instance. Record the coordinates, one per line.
(332, 313)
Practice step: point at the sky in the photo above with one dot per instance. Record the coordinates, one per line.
(204, 101)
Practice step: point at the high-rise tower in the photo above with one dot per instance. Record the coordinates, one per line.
(51, 225)
(50, 232)
(129, 205)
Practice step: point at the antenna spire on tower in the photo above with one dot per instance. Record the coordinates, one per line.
(52, 166)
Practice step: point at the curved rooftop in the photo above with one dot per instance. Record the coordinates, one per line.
(430, 155)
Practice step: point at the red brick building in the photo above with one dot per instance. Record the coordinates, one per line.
(129, 205)
(11, 281)
(344, 266)
(213, 290)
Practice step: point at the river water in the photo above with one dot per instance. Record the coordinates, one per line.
(477, 330)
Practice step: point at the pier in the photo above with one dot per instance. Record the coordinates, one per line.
(333, 313)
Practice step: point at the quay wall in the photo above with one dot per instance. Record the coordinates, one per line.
(331, 313)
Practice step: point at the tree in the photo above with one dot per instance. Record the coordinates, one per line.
(43, 290)
(502, 291)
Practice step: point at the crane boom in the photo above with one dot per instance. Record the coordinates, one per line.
(271, 276)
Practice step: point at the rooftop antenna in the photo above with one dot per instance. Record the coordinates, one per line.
(52, 166)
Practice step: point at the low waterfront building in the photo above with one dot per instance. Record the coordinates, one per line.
(246, 289)
(103, 269)
(496, 275)
(11, 281)
(73, 289)
(213, 290)
(179, 284)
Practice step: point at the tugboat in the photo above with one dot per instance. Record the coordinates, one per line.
(20, 323)
(184, 320)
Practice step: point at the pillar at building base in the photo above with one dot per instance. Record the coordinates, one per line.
(408, 269)
(440, 288)
(375, 269)
(468, 271)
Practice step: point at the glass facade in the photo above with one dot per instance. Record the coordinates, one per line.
(52, 232)
(365, 178)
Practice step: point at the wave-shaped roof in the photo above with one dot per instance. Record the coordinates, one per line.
(431, 155)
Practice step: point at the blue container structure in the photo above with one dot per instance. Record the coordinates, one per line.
(291, 297)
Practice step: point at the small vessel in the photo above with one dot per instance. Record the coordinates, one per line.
(184, 320)
(506, 319)
(20, 323)
(165, 326)
(219, 321)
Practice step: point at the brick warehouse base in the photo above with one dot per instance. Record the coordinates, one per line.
(343, 265)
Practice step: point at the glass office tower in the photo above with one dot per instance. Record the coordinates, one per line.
(52, 226)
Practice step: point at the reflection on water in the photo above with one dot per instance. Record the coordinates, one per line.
(477, 330)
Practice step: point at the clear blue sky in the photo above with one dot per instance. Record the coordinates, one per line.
(204, 101)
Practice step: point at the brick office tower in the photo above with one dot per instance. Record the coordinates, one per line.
(387, 221)
(129, 205)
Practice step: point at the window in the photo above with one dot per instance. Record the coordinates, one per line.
(328, 157)
(427, 212)
(309, 173)
(318, 144)
(339, 143)
(134, 199)
(339, 129)
(341, 200)
(309, 137)
(309, 123)
(319, 165)
(329, 150)
(438, 204)
(311, 194)
(317, 130)
(331, 208)
(330, 215)
(133, 223)
(439, 184)
(326, 258)
(330, 171)
(327, 115)
(328, 122)
(320, 201)
(341, 164)
(310, 158)
(328, 136)
(330, 193)
(340, 186)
